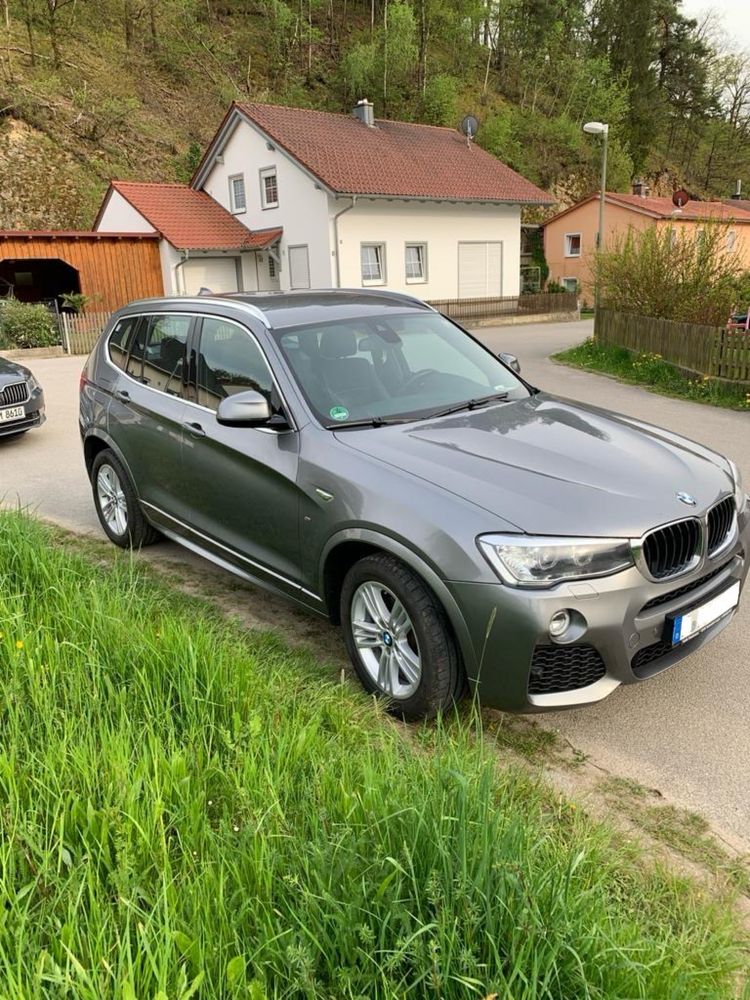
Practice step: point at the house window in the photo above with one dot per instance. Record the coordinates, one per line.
(372, 256)
(237, 199)
(416, 262)
(269, 188)
(570, 284)
(572, 244)
(731, 240)
(271, 267)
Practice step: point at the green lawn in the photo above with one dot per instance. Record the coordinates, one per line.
(651, 371)
(191, 811)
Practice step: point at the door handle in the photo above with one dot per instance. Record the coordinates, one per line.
(194, 428)
(123, 395)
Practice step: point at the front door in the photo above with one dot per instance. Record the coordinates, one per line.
(241, 481)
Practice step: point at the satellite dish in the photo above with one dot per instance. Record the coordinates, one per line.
(680, 198)
(469, 126)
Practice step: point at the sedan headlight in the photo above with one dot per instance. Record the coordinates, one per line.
(32, 383)
(740, 497)
(535, 561)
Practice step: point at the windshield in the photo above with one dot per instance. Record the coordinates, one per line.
(396, 367)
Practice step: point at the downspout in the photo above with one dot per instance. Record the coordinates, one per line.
(180, 263)
(336, 236)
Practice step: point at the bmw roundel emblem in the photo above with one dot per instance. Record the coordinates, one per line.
(686, 498)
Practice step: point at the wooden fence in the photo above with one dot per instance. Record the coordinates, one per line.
(540, 303)
(80, 332)
(709, 350)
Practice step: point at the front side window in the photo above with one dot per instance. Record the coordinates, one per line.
(157, 355)
(572, 244)
(416, 262)
(237, 197)
(119, 340)
(269, 188)
(405, 367)
(228, 361)
(373, 263)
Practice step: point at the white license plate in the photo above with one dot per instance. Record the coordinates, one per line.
(687, 625)
(14, 413)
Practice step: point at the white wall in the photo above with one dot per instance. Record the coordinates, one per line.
(120, 217)
(441, 226)
(302, 209)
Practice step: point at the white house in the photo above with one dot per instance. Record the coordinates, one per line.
(293, 198)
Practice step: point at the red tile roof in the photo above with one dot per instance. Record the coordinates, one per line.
(397, 159)
(665, 208)
(189, 219)
(743, 203)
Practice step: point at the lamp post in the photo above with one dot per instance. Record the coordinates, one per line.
(599, 128)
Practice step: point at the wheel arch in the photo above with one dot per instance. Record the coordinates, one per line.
(350, 545)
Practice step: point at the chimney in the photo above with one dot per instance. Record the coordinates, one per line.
(641, 189)
(365, 112)
(737, 196)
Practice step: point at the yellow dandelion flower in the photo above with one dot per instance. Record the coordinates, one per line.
(19, 644)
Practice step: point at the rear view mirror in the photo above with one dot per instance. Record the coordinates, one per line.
(244, 409)
(511, 361)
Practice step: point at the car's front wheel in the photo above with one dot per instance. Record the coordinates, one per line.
(117, 505)
(399, 638)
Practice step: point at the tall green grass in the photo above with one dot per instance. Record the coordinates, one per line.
(188, 811)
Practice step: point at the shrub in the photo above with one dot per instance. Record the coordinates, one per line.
(24, 324)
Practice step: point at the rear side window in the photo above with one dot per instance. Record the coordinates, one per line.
(229, 361)
(157, 354)
(119, 341)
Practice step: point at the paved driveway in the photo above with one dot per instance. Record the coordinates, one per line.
(686, 732)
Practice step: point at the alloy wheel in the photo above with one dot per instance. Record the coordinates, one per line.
(385, 639)
(112, 501)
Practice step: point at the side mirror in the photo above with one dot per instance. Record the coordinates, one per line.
(511, 361)
(244, 409)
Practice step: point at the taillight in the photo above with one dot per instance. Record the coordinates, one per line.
(82, 381)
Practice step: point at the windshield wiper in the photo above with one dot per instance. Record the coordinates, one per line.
(469, 404)
(368, 422)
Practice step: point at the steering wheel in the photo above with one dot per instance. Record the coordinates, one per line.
(414, 381)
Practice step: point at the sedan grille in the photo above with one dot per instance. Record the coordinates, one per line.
(670, 550)
(14, 393)
(720, 524)
(564, 668)
(672, 595)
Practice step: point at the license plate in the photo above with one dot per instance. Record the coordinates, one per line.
(14, 413)
(688, 624)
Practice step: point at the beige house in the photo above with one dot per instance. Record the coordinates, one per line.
(570, 236)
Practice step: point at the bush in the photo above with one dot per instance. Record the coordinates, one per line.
(24, 324)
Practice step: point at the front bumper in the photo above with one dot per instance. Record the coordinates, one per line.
(34, 415)
(623, 618)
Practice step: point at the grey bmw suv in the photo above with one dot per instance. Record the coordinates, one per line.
(365, 456)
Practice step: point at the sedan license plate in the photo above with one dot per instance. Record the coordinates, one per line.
(682, 627)
(14, 413)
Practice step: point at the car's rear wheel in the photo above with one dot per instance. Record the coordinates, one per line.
(399, 638)
(117, 505)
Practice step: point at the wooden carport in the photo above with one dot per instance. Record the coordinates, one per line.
(113, 268)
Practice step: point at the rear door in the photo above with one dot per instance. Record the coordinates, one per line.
(299, 267)
(147, 409)
(242, 481)
(480, 270)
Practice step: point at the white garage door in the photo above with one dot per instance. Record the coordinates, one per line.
(299, 267)
(219, 274)
(480, 270)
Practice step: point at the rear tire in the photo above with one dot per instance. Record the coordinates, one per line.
(117, 505)
(399, 638)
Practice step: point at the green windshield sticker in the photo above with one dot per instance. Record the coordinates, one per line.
(339, 412)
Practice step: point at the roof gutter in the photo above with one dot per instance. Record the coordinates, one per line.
(336, 218)
(185, 254)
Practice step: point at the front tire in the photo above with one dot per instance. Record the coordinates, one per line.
(117, 505)
(398, 638)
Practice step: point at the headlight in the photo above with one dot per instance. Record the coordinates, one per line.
(32, 383)
(534, 561)
(740, 497)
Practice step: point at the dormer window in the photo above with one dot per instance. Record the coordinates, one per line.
(269, 188)
(237, 199)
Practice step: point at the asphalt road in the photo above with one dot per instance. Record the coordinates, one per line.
(685, 732)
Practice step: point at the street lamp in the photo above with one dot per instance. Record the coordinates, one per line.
(599, 128)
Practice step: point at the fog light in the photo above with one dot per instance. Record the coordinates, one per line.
(559, 624)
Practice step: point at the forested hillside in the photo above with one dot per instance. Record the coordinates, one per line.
(91, 89)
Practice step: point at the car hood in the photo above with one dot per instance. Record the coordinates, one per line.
(11, 372)
(552, 466)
